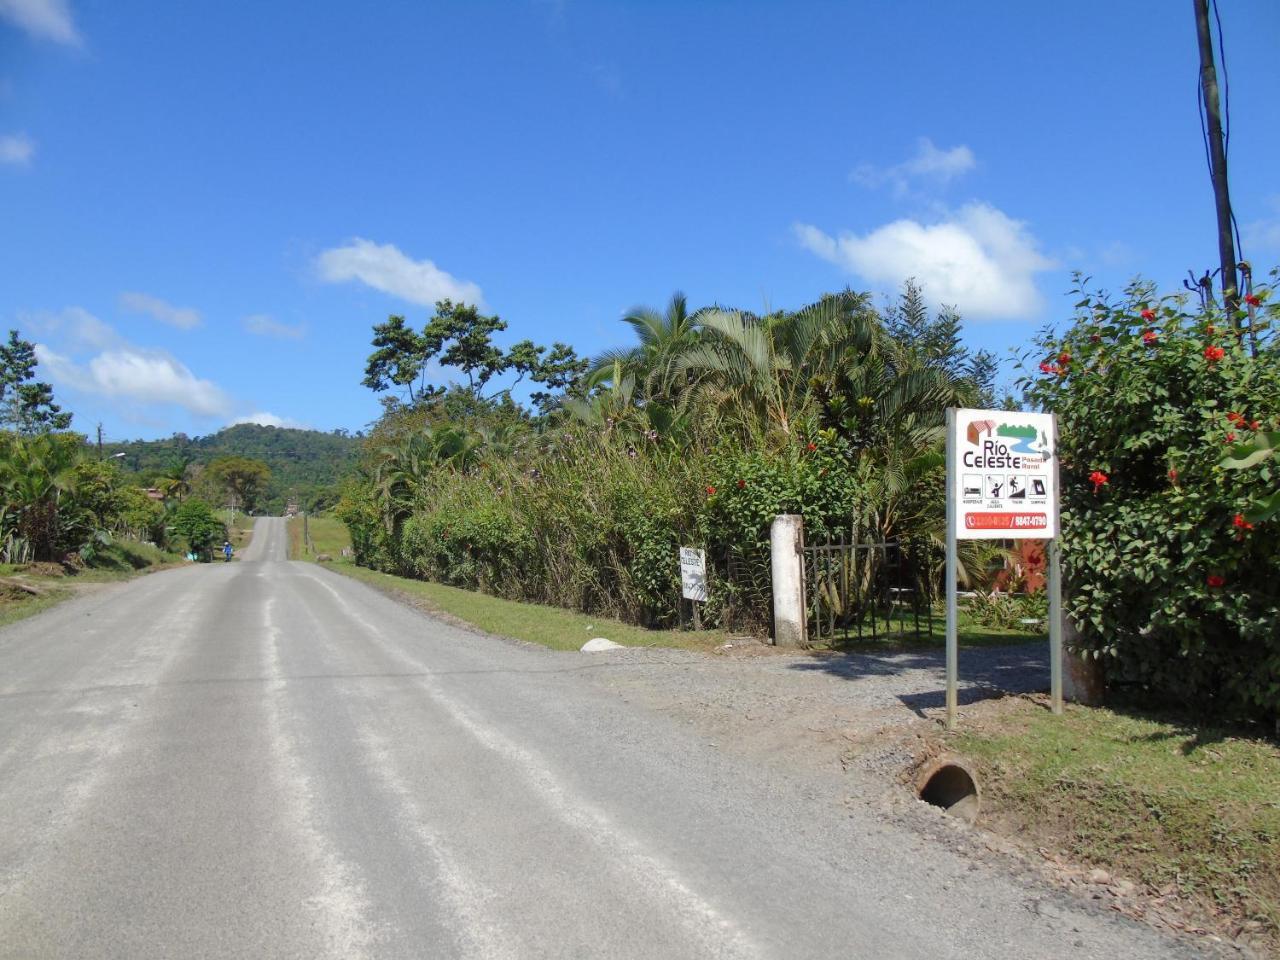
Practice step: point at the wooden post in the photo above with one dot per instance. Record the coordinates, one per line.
(1218, 164)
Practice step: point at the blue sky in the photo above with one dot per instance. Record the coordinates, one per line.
(207, 205)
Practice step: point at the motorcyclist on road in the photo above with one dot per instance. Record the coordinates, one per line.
(226, 550)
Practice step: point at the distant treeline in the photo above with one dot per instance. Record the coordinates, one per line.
(307, 464)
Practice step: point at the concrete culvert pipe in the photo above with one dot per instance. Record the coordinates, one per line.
(947, 783)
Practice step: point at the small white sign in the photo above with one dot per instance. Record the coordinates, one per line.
(693, 574)
(1002, 475)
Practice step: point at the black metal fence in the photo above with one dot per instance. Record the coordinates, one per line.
(867, 591)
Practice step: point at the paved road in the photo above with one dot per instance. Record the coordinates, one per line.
(264, 759)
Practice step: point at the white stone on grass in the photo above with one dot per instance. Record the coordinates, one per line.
(600, 644)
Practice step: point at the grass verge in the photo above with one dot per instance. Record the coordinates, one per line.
(239, 528)
(552, 627)
(1190, 814)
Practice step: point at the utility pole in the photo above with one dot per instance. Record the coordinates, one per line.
(1217, 163)
(99, 441)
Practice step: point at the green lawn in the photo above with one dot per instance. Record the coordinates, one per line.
(969, 632)
(1165, 803)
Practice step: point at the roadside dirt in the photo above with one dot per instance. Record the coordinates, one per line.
(877, 718)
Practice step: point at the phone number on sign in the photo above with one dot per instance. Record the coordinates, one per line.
(1006, 521)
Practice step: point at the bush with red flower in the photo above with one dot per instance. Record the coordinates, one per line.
(1171, 564)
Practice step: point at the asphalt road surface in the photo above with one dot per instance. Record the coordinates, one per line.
(265, 759)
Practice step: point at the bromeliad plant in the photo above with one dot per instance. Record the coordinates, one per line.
(1171, 557)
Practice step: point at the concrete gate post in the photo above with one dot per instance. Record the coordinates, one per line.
(786, 546)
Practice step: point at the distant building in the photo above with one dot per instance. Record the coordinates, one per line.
(153, 493)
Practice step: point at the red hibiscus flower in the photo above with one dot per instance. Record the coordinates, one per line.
(1254, 424)
(1234, 417)
(1240, 523)
(1064, 357)
(742, 484)
(1253, 300)
(1149, 337)
(1148, 314)
(811, 447)
(1215, 580)
(1098, 479)
(1214, 354)
(1173, 474)
(710, 490)
(1231, 436)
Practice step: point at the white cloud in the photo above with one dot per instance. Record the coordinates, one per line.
(153, 377)
(133, 374)
(929, 163)
(385, 268)
(1264, 232)
(264, 325)
(184, 318)
(17, 149)
(50, 19)
(74, 326)
(977, 258)
(265, 419)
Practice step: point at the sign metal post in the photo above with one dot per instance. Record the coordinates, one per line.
(953, 643)
(693, 580)
(1002, 484)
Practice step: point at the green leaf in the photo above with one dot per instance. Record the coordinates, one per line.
(1241, 456)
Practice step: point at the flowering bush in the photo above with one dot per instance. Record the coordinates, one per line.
(1171, 583)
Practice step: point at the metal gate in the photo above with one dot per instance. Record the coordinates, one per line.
(866, 591)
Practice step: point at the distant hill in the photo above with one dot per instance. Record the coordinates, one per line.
(308, 464)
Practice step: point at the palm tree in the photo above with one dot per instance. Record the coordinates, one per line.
(37, 485)
(663, 338)
(756, 371)
(174, 482)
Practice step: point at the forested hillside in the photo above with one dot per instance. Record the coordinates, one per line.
(307, 464)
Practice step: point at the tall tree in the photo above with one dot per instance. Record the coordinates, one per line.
(398, 359)
(242, 479)
(26, 404)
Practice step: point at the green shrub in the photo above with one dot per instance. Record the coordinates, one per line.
(1169, 585)
(197, 525)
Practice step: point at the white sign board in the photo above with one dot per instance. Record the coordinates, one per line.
(1003, 475)
(693, 574)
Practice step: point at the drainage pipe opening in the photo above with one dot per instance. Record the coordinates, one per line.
(948, 784)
